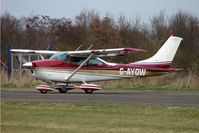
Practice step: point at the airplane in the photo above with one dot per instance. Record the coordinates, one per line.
(68, 67)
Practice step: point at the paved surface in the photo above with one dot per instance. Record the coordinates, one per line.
(187, 99)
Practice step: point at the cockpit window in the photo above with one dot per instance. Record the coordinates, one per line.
(63, 56)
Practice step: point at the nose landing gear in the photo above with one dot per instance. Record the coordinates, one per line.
(44, 88)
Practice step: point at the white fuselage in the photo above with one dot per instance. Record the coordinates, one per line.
(62, 75)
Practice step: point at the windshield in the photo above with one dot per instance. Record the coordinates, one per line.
(63, 56)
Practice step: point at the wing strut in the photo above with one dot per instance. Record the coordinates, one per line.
(80, 66)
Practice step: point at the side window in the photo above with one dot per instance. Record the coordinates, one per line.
(78, 60)
(65, 58)
(94, 62)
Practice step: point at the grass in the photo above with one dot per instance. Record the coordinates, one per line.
(13, 85)
(65, 118)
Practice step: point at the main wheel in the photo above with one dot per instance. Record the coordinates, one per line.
(88, 91)
(63, 90)
(43, 92)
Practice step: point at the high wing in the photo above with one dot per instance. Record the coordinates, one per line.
(106, 52)
(84, 53)
(33, 51)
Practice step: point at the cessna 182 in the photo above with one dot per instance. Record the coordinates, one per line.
(85, 66)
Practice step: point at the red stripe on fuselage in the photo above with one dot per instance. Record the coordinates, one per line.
(57, 64)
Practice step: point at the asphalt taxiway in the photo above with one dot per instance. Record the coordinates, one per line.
(184, 99)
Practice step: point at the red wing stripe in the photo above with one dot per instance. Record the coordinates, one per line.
(135, 50)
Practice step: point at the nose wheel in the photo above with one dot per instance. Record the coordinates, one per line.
(44, 88)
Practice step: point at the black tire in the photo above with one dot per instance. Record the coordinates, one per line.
(63, 90)
(88, 91)
(43, 92)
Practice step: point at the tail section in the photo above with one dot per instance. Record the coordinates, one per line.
(166, 53)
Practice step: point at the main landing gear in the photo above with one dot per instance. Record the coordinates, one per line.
(88, 91)
(63, 88)
(89, 88)
(43, 92)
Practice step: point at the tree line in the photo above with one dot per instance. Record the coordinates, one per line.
(87, 28)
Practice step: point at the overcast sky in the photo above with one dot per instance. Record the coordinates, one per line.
(71, 8)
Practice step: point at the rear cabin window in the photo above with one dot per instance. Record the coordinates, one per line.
(94, 62)
(91, 62)
(63, 56)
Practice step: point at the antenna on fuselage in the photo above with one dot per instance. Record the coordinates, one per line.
(79, 47)
(90, 47)
(82, 45)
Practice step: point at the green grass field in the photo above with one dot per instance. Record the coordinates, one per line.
(66, 118)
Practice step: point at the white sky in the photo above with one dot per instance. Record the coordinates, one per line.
(71, 8)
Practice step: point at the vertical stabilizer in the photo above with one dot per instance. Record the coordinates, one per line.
(167, 52)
